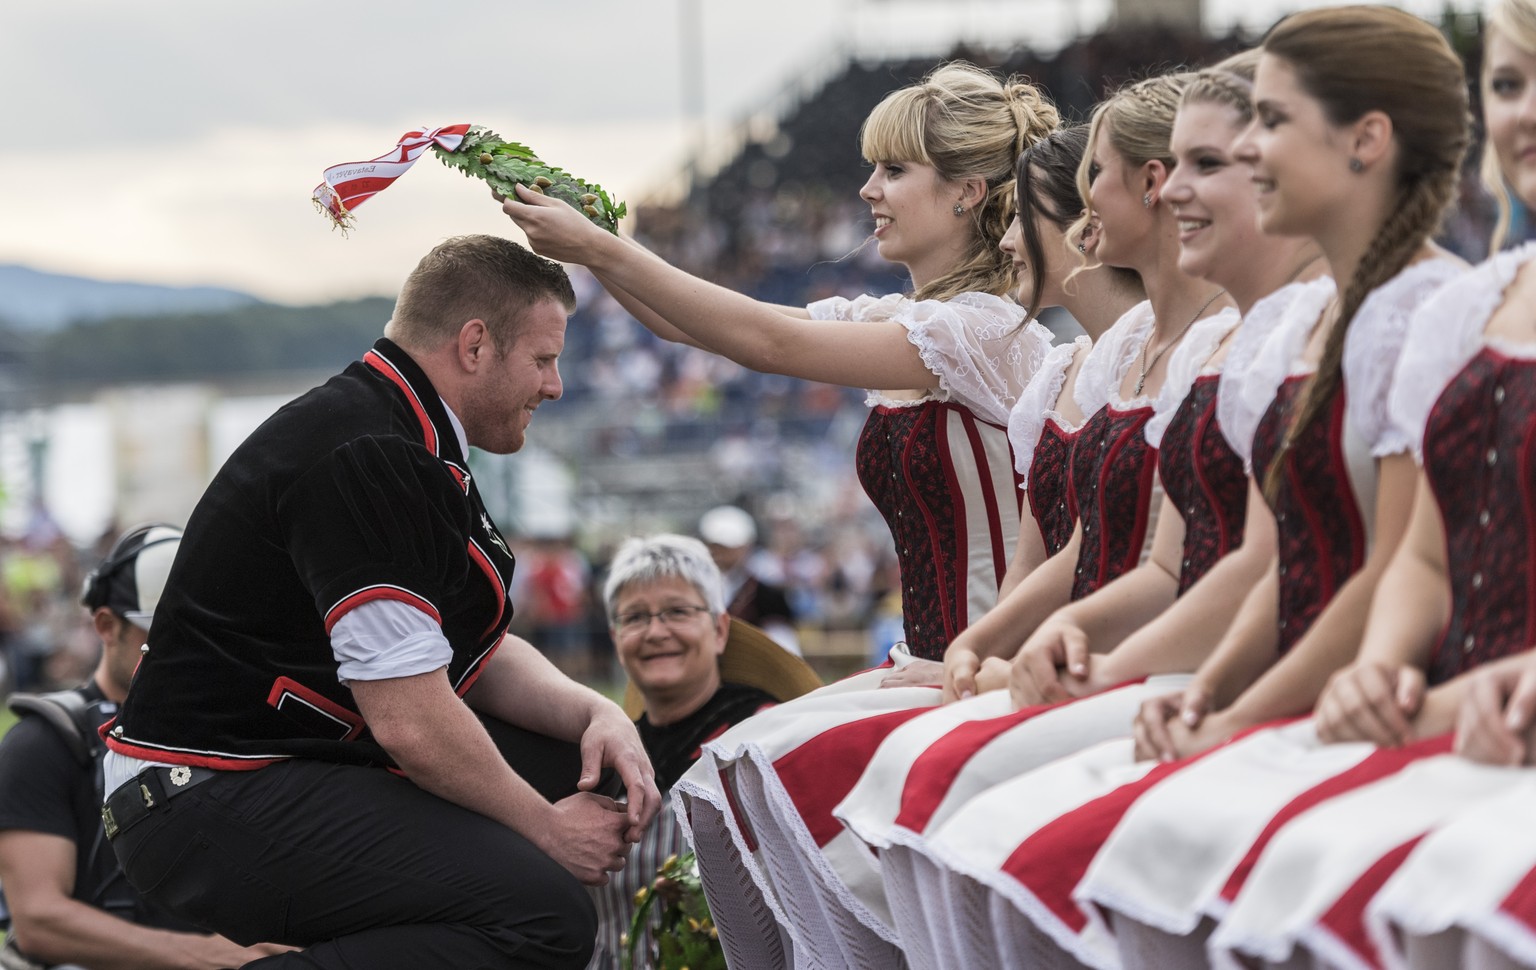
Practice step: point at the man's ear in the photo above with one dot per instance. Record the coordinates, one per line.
(107, 624)
(474, 343)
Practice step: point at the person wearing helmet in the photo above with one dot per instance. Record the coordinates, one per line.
(69, 902)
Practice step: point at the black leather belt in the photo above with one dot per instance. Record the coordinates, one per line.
(148, 791)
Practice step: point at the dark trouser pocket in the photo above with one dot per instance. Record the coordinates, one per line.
(209, 888)
(200, 881)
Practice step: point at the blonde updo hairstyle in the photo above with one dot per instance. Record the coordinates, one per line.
(1139, 121)
(1355, 60)
(1515, 20)
(965, 123)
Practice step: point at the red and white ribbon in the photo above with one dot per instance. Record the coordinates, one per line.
(350, 184)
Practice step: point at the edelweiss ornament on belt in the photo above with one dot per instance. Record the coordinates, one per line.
(180, 775)
(472, 150)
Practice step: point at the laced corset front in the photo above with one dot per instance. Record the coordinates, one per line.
(1112, 472)
(1479, 459)
(1050, 493)
(1204, 479)
(944, 481)
(1320, 531)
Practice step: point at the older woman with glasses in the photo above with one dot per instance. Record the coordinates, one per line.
(693, 672)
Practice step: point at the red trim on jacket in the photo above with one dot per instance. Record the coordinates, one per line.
(381, 364)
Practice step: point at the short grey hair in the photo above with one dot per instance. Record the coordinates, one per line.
(645, 559)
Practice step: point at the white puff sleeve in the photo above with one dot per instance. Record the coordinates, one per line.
(977, 345)
(1098, 380)
(1038, 402)
(1374, 344)
(863, 308)
(1442, 336)
(1185, 364)
(1265, 351)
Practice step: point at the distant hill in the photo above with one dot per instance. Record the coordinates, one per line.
(38, 301)
(255, 339)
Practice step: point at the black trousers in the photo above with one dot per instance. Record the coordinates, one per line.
(364, 869)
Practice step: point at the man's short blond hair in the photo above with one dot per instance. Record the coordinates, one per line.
(475, 277)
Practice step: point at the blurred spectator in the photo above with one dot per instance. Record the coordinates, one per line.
(45, 641)
(754, 590)
(553, 600)
(69, 901)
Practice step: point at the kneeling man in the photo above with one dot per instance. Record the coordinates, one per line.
(301, 757)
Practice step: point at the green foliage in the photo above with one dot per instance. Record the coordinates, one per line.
(504, 164)
(686, 937)
(263, 338)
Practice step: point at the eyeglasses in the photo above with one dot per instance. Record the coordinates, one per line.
(672, 616)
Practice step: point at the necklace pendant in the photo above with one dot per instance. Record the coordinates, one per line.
(1140, 383)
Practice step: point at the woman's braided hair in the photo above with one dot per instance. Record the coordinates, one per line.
(966, 123)
(1355, 60)
(1228, 83)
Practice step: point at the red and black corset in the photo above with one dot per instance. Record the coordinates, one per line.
(906, 463)
(1050, 479)
(1478, 457)
(1204, 479)
(1321, 535)
(1112, 472)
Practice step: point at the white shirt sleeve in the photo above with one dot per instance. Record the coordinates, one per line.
(1374, 344)
(384, 639)
(1443, 335)
(979, 346)
(863, 308)
(1266, 349)
(1038, 402)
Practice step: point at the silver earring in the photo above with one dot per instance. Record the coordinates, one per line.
(1356, 166)
(959, 209)
(1082, 248)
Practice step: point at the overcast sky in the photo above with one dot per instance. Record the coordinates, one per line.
(176, 141)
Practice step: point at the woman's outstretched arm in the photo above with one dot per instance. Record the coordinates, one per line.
(754, 334)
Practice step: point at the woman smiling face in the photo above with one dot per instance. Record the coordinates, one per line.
(1509, 112)
(1298, 158)
(666, 638)
(1118, 200)
(1213, 196)
(914, 212)
(1056, 262)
